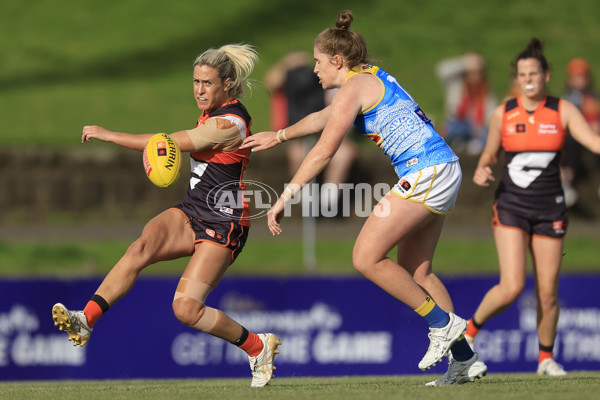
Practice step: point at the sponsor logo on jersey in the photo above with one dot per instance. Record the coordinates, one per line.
(521, 128)
(548, 129)
(412, 161)
(226, 210)
(210, 233)
(513, 115)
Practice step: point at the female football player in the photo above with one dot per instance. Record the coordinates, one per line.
(529, 212)
(411, 216)
(196, 227)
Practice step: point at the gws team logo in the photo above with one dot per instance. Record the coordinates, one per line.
(161, 149)
(404, 185)
(228, 199)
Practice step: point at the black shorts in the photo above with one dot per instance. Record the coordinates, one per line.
(227, 233)
(554, 227)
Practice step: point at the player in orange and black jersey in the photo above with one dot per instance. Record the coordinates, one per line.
(215, 172)
(530, 186)
(214, 203)
(210, 231)
(529, 212)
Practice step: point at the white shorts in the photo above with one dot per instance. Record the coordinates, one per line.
(436, 186)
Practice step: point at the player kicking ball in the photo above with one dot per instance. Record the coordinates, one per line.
(194, 228)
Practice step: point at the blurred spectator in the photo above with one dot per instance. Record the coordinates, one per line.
(579, 91)
(296, 92)
(513, 91)
(469, 102)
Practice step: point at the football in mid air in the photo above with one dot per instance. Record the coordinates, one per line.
(162, 160)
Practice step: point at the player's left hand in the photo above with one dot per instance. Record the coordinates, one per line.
(274, 216)
(95, 132)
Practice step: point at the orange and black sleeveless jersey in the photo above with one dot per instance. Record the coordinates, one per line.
(216, 186)
(532, 140)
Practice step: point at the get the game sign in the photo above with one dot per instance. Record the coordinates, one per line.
(319, 320)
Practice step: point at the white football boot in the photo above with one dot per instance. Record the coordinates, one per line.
(441, 339)
(460, 372)
(73, 322)
(551, 368)
(262, 365)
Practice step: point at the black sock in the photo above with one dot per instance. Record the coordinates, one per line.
(548, 349)
(242, 338)
(461, 351)
(475, 324)
(101, 302)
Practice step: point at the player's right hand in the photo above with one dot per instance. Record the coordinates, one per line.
(483, 176)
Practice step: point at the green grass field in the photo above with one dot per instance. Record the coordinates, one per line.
(127, 65)
(267, 256)
(580, 386)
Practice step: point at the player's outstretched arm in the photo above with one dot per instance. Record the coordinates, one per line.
(309, 125)
(129, 140)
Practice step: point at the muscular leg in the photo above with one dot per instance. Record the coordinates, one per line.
(547, 256)
(207, 265)
(512, 245)
(415, 230)
(166, 236)
(382, 231)
(205, 270)
(419, 263)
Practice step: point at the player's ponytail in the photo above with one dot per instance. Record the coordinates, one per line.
(234, 62)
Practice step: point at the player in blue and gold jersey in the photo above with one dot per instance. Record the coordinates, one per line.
(411, 216)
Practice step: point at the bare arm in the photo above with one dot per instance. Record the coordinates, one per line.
(128, 140)
(132, 141)
(214, 133)
(342, 115)
(351, 98)
(309, 125)
(484, 173)
(579, 128)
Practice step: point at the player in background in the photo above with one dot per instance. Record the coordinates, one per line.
(196, 227)
(411, 216)
(580, 91)
(529, 212)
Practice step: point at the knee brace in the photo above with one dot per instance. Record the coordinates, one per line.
(198, 291)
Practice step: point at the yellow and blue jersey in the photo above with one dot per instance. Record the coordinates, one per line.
(400, 127)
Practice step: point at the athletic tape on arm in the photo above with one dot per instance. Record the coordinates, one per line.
(219, 132)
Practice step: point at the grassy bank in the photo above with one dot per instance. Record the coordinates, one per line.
(127, 65)
(266, 256)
